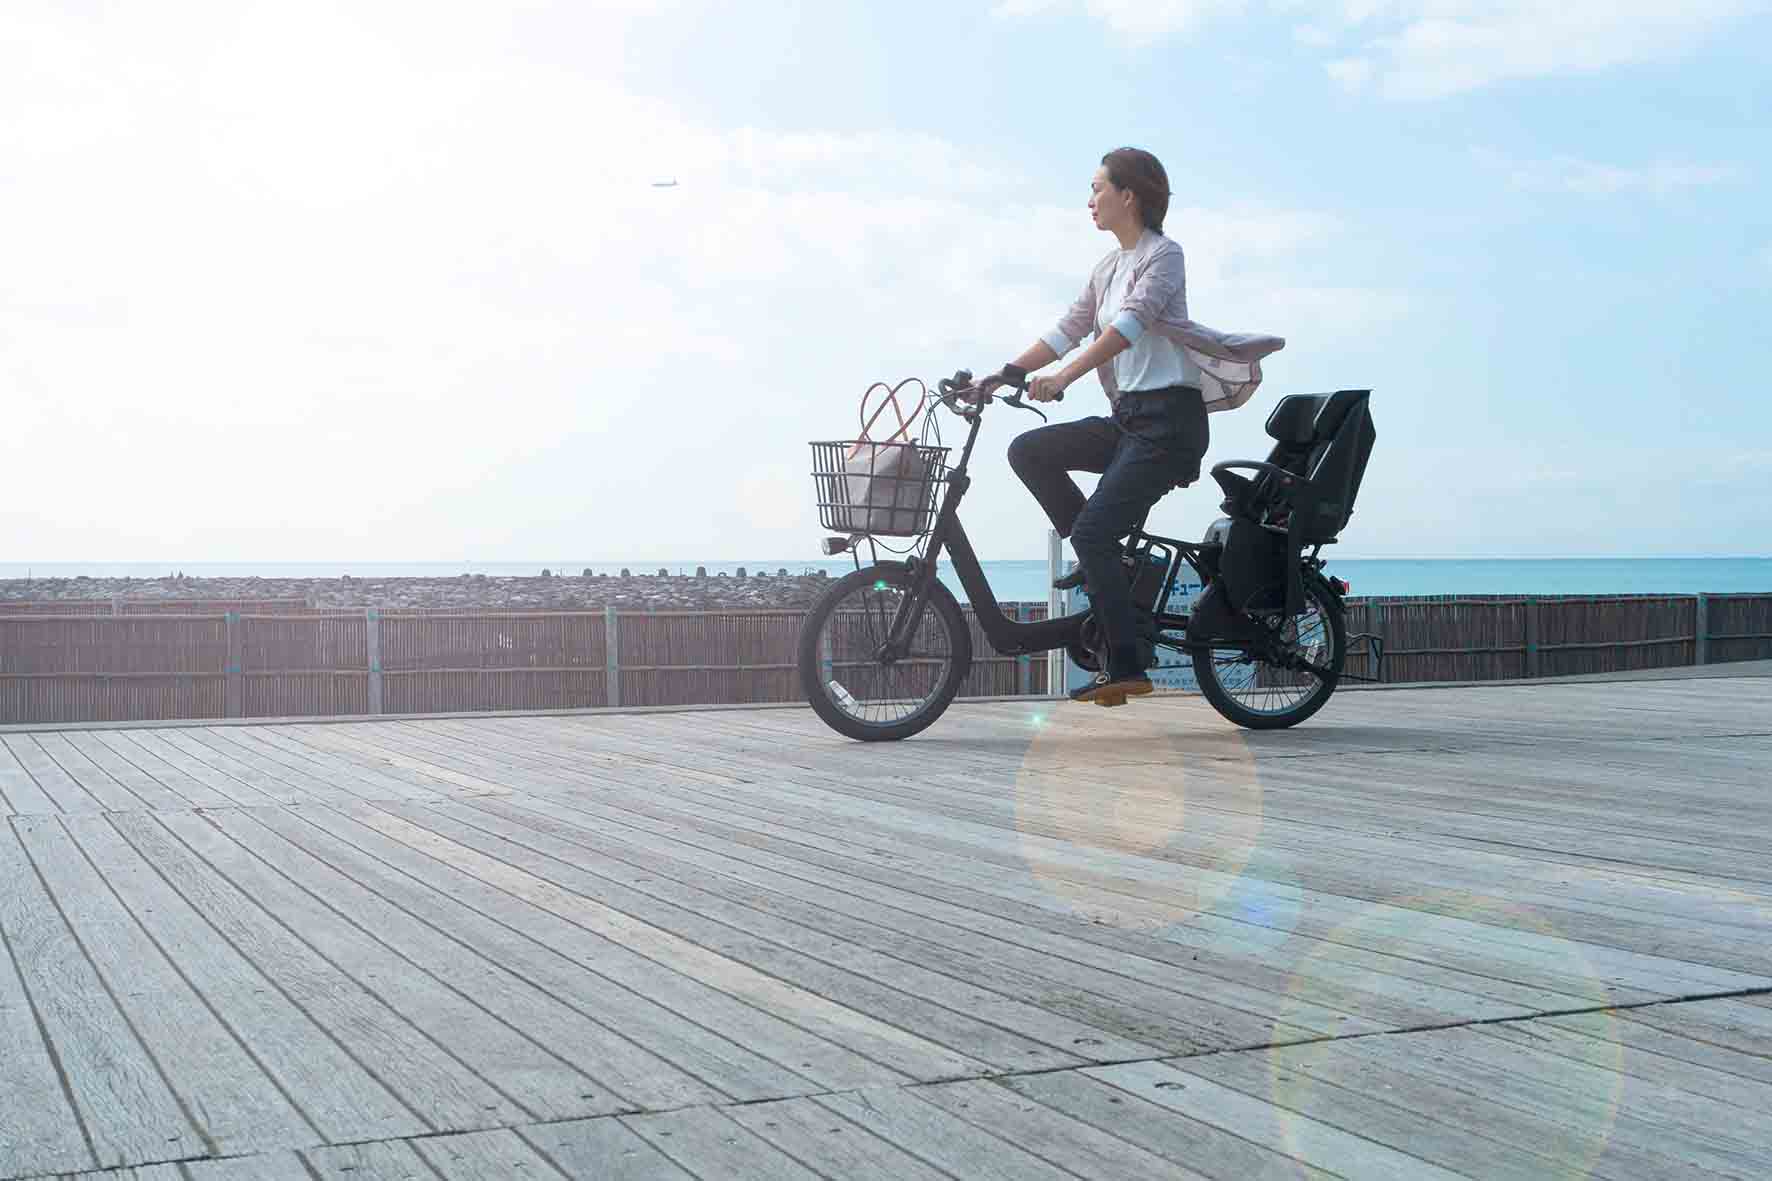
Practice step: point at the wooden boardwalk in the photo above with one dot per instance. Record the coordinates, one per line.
(1505, 931)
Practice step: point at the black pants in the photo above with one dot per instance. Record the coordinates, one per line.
(1153, 442)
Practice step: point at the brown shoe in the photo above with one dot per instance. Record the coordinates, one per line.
(1103, 689)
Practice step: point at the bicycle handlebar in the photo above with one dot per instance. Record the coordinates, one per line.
(961, 387)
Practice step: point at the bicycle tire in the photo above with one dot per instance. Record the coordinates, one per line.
(812, 658)
(1206, 670)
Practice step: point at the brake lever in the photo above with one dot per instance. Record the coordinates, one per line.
(1015, 401)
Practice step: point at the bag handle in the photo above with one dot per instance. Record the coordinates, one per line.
(891, 399)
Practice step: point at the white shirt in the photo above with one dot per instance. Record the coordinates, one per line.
(1154, 362)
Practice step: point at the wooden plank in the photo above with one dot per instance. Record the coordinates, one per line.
(1056, 974)
(106, 791)
(353, 777)
(603, 1149)
(1210, 1150)
(547, 995)
(224, 788)
(909, 890)
(238, 743)
(18, 789)
(1697, 1046)
(274, 1166)
(1577, 1121)
(372, 740)
(1539, 958)
(669, 1059)
(55, 783)
(206, 1067)
(382, 781)
(951, 1038)
(504, 1062)
(195, 794)
(820, 906)
(1206, 943)
(1614, 1054)
(1702, 1127)
(572, 1064)
(1072, 1145)
(388, 1160)
(878, 1039)
(1306, 1139)
(708, 1145)
(931, 1134)
(429, 1080)
(143, 1173)
(520, 1040)
(694, 984)
(124, 1105)
(1025, 962)
(342, 1099)
(144, 787)
(1301, 1083)
(477, 1156)
(826, 1141)
(39, 1130)
(1735, 1023)
(273, 784)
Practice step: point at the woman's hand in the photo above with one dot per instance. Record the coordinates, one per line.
(1047, 389)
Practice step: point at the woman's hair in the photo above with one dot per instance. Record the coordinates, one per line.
(1138, 170)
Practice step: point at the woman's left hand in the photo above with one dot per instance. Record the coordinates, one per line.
(1046, 389)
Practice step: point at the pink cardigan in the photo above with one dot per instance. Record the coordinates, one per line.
(1156, 301)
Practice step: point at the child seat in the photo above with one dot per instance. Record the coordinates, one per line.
(1303, 494)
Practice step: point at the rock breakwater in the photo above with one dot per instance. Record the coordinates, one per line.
(777, 589)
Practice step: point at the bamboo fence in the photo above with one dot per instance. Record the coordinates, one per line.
(165, 664)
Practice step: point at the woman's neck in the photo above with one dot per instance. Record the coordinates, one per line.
(1128, 235)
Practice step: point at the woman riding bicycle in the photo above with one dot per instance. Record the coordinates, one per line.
(1156, 435)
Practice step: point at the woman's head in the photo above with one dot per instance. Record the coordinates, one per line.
(1130, 190)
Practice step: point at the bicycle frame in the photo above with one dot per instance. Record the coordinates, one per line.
(1007, 636)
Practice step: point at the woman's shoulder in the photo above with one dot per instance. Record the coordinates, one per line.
(1156, 244)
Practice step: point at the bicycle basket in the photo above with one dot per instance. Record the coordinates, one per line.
(884, 489)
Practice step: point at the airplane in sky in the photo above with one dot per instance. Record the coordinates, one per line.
(665, 184)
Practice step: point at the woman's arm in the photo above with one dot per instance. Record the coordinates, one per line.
(1107, 345)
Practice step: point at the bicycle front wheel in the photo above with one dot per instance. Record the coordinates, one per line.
(1257, 693)
(858, 690)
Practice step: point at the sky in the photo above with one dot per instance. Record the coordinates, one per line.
(391, 281)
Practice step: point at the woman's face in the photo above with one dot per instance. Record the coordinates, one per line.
(1111, 207)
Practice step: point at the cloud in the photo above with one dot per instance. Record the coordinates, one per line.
(1426, 49)
(435, 307)
(1136, 21)
(1568, 174)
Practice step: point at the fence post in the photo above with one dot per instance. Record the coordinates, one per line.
(1701, 631)
(372, 618)
(116, 604)
(1024, 673)
(611, 659)
(1054, 609)
(1533, 665)
(231, 675)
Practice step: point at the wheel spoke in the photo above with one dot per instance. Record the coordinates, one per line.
(1271, 690)
(858, 682)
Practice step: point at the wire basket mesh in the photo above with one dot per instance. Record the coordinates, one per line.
(882, 489)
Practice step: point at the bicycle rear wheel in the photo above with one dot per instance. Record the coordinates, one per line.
(1260, 693)
(849, 685)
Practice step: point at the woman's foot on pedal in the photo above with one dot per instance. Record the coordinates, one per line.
(1105, 689)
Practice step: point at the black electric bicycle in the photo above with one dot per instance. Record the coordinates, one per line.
(885, 649)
